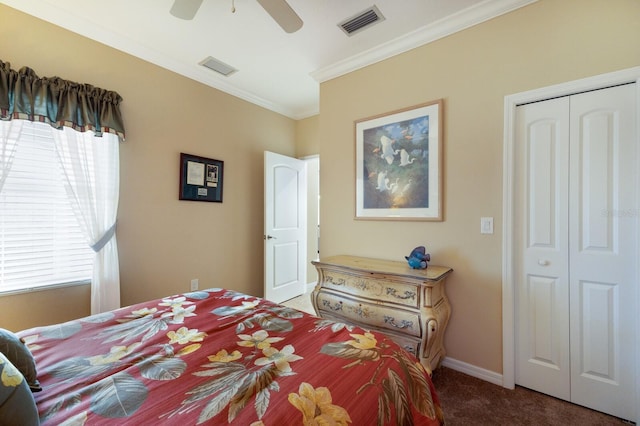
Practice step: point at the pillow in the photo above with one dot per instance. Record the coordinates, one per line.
(20, 356)
(17, 406)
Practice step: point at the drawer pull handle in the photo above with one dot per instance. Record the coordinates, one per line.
(339, 281)
(407, 294)
(403, 324)
(410, 349)
(336, 307)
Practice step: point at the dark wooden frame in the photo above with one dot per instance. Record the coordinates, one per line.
(201, 178)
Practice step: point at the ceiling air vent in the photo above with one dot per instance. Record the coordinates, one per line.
(362, 20)
(218, 66)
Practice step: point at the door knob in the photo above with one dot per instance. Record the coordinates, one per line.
(269, 237)
(543, 262)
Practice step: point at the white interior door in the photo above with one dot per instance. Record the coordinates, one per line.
(576, 267)
(603, 266)
(541, 221)
(285, 227)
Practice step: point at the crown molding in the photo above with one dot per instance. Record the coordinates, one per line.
(464, 19)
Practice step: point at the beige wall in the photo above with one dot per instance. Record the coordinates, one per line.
(308, 137)
(546, 43)
(20, 311)
(163, 242)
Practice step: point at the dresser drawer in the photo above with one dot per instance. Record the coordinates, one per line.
(373, 286)
(368, 314)
(410, 345)
(408, 305)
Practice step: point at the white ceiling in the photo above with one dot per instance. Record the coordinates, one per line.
(276, 70)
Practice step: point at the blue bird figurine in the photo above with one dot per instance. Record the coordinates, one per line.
(418, 258)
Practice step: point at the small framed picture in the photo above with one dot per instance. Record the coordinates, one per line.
(200, 178)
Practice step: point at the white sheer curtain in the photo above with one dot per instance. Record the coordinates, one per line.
(9, 134)
(92, 168)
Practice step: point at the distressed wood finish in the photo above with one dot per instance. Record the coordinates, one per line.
(408, 305)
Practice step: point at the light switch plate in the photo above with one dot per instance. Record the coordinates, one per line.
(486, 225)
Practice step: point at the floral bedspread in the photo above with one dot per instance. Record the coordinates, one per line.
(218, 357)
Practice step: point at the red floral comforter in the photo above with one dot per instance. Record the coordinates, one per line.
(219, 357)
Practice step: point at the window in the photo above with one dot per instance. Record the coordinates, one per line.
(41, 243)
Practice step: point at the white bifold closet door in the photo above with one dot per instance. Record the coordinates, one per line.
(577, 217)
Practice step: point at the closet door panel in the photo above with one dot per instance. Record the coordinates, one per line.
(598, 307)
(542, 352)
(576, 227)
(603, 249)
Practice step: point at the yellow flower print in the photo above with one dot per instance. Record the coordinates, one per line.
(188, 349)
(281, 358)
(11, 376)
(249, 305)
(366, 341)
(224, 356)
(260, 339)
(316, 407)
(184, 335)
(115, 354)
(144, 312)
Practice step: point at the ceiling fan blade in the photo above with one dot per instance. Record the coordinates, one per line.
(185, 9)
(283, 14)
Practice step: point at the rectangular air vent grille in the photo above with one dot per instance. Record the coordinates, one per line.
(218, 66)
(362, 20)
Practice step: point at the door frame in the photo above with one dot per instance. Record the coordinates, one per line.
(630, 75)
(313, 217)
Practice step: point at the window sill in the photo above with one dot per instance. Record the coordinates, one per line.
(42, 288)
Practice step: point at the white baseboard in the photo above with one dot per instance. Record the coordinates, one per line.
(472, 370)
(311, 286)
(454, 364)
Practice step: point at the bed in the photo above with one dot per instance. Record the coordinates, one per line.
(222, 357)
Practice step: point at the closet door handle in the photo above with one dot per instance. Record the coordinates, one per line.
(543, 262)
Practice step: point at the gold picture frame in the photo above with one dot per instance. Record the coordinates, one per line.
(399, 164)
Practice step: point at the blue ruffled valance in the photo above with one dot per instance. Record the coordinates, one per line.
(58, 102)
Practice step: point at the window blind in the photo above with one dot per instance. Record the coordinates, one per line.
(41, 243)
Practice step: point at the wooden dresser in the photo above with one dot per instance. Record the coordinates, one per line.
(408, 305)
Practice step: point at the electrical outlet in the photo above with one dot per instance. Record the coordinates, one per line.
(194, 284)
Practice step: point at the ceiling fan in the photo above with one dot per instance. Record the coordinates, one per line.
(279, 10)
